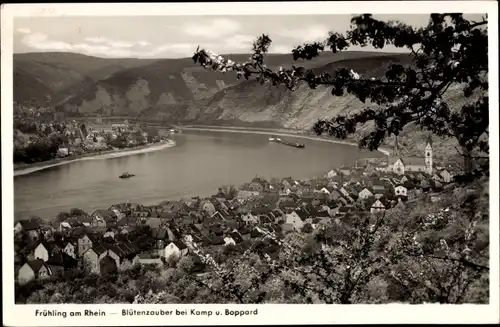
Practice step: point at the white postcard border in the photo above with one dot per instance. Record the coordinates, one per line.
(24, 315)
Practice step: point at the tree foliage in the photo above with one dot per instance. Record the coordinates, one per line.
(450, 50)
(435, 254)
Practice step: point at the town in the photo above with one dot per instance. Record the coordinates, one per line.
(42, 135)
(103, 241)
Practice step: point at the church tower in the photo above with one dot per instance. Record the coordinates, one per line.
(428, 156)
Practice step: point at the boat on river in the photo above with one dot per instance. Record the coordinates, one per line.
(126, 175)
(278, 140)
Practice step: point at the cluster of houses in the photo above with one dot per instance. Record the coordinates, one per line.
(103, 240)
(87, 138)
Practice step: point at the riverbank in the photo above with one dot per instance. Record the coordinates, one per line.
(277, 132)
(24, 169)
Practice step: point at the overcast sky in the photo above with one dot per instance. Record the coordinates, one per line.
(178, 36)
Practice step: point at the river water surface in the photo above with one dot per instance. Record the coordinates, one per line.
(198, 164)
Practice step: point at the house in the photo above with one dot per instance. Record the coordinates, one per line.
(29, 226)
(195, 238)
(436, 177)
(115, 252)
(379, 189)
(409, 184)
(64, 227)
(228, 240)
(92, 257)
(53, 248)
(175, 248)
(342, 201)
(173, 233)
(131, 222)
(236, 236)
(365, 194)
(425, 185)
(70, 249)
(56, 264)
(38, 250)
(401, 191)
(295, 220)
(332, 173)
(33, 270)
(107, 265)
(333, 210)
(160, 235)
(287, 182)
(128, 250)
(446, 176)
(257, 232)
(345, 171)
(109, 234)
(405, 179)
(83, 243)
(346, 194)
(334, 195)
(256, 186)
(101, 218)
(208, 207)
(377, 207)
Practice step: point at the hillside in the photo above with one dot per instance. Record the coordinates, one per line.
(37, 75)
(251, 102)
(169, 89)
(177, 90)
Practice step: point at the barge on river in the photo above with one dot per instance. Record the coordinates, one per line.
(279, 140)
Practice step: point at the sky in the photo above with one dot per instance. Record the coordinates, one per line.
(179, 36)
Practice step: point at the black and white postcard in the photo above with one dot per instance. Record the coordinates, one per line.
(250, 163)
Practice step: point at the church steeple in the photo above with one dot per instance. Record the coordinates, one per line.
(428, 156)
(429, 140)
(395, 150)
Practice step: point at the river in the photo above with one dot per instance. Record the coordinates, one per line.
(200, 162)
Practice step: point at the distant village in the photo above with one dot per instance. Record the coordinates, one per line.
(87, 139)
(109, 238)
(77, 138)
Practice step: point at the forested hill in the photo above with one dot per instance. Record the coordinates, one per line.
(179, 90)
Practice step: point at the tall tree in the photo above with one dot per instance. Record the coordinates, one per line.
(449, 51)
